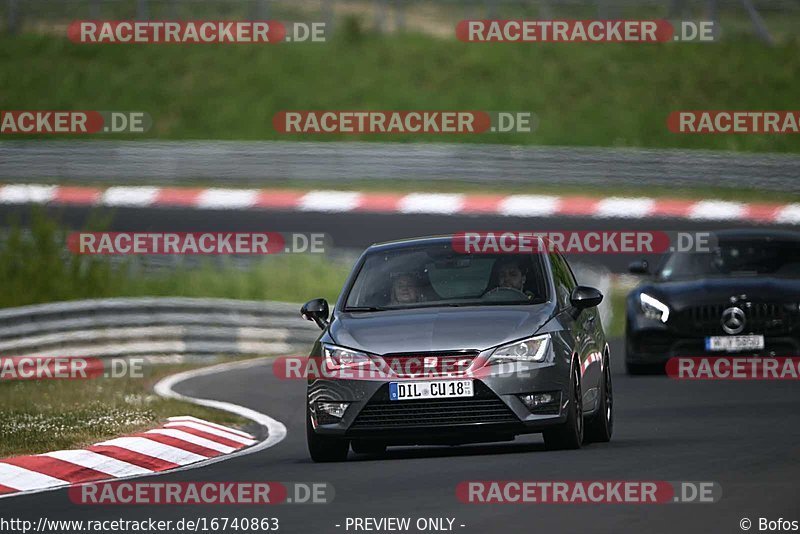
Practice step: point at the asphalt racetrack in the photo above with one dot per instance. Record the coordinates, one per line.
(743, 435)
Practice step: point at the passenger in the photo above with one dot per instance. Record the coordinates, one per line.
(405, 289)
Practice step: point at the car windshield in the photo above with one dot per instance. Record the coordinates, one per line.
(436, 275)
(745, 258)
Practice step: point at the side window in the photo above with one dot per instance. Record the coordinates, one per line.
(564, 279)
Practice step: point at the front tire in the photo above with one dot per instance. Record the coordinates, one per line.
(325, 448)
(601, 426)
(569, 435)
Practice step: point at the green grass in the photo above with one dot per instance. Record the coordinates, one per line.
(35, 268)
(46, 415)
(601, 94)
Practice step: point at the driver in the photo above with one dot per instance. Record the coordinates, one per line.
(405, 289)
(511, 275)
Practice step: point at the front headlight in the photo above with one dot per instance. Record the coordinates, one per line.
(533, 349)
(342, 358)
(653, 308)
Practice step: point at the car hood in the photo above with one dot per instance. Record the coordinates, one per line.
(720, 290)
(436, 329)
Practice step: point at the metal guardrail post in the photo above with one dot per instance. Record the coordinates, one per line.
(759, 25)
(545, 10)
(491, 9)
(328, 15)
(712, 9)
(602, 9)
(380, 15)
(12, 18)
(400, 15)
(263, 9)
(142, 10)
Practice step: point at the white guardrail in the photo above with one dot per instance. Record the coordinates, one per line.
(154, 326)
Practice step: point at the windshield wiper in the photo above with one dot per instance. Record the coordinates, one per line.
(364, 309)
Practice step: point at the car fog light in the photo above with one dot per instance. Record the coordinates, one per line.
(540, 402)
(333, 409)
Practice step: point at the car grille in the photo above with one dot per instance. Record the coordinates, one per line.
(484, 407)
(762, 318)
(417, 365)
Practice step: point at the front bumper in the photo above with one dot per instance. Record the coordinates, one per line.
(655, 344)
(495, 412)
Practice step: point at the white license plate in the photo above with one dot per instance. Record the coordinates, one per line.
(436, 389)
(734, 343)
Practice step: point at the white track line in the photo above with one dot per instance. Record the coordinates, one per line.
(275, 429)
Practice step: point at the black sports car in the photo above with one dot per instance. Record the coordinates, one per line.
(428, 345)
(740, 297)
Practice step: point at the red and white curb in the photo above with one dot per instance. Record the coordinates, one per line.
(408, 203)
(182, 443)
(179, 442)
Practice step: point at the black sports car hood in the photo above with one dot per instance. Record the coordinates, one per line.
(437, 329)
(720, 290)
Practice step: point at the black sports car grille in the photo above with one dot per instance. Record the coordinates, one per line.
(484, 407)
(762, 318)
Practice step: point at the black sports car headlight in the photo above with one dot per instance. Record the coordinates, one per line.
(653, 308)
(532, 349)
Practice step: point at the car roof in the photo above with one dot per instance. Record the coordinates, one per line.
(411, 242)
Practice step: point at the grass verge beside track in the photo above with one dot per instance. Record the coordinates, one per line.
(47, 415)
(35, 268)
(611, 94)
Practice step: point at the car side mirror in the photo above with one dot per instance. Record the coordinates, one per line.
(316, 310)
(639, 267)
(583, 297)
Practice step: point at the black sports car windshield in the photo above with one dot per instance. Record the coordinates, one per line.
(746, 258)
(436, 275)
